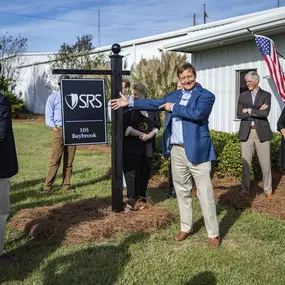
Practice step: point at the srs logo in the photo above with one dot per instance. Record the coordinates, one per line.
(83, 100)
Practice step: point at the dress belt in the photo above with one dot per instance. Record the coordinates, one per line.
(253, 127)
(177, 144)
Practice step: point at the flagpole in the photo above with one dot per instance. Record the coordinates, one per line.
(275, 49)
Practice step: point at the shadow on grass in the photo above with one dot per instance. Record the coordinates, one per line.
(31, 183)
(156, 195)
(226, 202)
(106, 176)
(203, 278)
(99, 264)
(43, 201)
(34, 252)
(235, 203)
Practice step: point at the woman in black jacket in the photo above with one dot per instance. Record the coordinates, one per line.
(140, 130)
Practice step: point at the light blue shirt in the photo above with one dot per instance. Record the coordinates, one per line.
(53, 110)
(176, 124)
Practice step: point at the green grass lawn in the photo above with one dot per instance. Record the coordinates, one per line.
(252, 252)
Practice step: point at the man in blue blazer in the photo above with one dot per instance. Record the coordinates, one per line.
(186, 138)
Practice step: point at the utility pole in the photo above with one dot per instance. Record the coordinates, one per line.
(278, 3)
(205, 14)
(194, 19)
(99, 23)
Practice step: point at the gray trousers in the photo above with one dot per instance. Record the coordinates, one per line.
(263, 154)
(183, 171)
(4, 209)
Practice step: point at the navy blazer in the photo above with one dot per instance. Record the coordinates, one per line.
(195, 122)
(8, 156)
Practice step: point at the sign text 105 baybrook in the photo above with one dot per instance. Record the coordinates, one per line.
(83, 111)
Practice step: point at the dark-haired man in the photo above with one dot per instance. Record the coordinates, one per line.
(186, 138)
(53, 118)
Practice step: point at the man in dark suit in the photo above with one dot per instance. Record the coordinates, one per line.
(8, 168)
(253, 110)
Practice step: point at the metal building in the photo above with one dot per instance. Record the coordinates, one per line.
(222, 52)
(225, 54)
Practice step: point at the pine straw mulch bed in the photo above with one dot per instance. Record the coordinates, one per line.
(228, 193)
(92, 220)
(89, 220)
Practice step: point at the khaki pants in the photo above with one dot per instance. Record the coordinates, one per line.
(4, 209)
(183, 171)
(59, 150)
(263, 154)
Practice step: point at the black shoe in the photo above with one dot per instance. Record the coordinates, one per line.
(8, 259)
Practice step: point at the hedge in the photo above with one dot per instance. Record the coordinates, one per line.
(229, 160)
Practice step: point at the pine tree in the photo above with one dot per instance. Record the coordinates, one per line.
(159, 75)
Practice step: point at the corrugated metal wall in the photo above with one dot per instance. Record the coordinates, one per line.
(216, 71)
(148, 50)
(35, 81)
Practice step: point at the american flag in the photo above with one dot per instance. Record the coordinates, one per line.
(268, 51)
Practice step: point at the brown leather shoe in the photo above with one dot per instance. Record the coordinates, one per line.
(47, 191)
(182, 236)
(269, 197)
(214, 242)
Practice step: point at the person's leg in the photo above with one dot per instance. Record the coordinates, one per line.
(57, 150)
(202, 176)
(4, 209)
(247, 149)
(263, 153)
(130, 162)
(144, 174)
(183, 184)
(68, 157)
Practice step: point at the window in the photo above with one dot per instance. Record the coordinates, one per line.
(240, 82)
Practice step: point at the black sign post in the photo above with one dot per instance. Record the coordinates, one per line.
(83, 111)
(117, 131)
(117, 122)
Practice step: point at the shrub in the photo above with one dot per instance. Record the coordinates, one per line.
(17, 104)
(160, 164)
(229, 159)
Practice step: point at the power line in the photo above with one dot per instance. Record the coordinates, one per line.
(92, 12)
(46, 18)
(81, 23)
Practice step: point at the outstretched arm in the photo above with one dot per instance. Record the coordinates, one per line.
(123, 101)
(201, 111)
(138, 104)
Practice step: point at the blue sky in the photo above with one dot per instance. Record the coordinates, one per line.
(47, 24)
